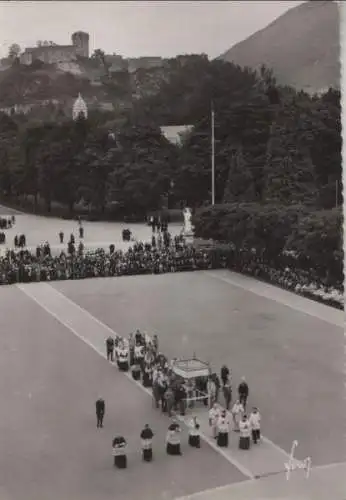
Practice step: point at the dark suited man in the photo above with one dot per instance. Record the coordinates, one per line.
(110, 348)
(224, 374)
(100, 411)
(243, 392)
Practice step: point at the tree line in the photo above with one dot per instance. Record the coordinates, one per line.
(310, 239)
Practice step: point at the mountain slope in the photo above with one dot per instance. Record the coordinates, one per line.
(301, 46)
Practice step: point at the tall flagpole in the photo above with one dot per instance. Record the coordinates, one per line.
(212, 154)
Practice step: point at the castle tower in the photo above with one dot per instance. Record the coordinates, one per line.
(79, 108)
(80, 40)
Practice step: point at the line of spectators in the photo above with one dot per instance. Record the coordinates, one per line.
(288, 275)
(163, 255)
(142, 258)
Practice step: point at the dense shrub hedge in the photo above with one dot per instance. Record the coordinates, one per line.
(282, 236)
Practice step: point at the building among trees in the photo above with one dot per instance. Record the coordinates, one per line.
(79, 108)
(52, 54)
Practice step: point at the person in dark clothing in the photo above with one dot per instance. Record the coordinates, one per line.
(152, 224)
(61, 237)
(100, 412)
(227, 392)
(147, 443)
(110, 348)
(81, 232)
(224, 374)
(155, 223)
(217, 386)
(243, 392)
(71, 248)
(162, 391)
(169, 401)
(46, 249)
(180, 396)
(138, 337)
(155, 344)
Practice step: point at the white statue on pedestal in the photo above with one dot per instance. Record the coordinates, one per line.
(188, 230)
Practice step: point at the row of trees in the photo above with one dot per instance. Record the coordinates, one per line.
(81, 161)
(314, 237)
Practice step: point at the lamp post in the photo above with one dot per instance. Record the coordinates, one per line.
(212, 155)
(211, 134)
(170, 192)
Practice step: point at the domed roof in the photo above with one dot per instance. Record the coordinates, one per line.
(79, 108)
(79, 33)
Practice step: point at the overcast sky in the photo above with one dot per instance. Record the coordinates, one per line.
(141, 28)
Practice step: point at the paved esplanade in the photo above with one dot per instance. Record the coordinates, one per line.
(40, 229)
(52, 372)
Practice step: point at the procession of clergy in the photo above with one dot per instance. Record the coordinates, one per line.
(140, 354)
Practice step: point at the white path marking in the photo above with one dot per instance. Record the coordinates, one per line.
(242, 485)
(289, 299)
(30, 289)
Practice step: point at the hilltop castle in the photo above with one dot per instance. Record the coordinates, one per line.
(55, 54)
(52, 54)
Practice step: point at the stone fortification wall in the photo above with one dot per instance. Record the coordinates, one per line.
(49, 54)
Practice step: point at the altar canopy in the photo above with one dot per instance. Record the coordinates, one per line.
(193, 371)
(190, 368)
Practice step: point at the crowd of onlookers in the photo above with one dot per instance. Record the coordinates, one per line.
(141, 258)
(291, 275)
(163, 254)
